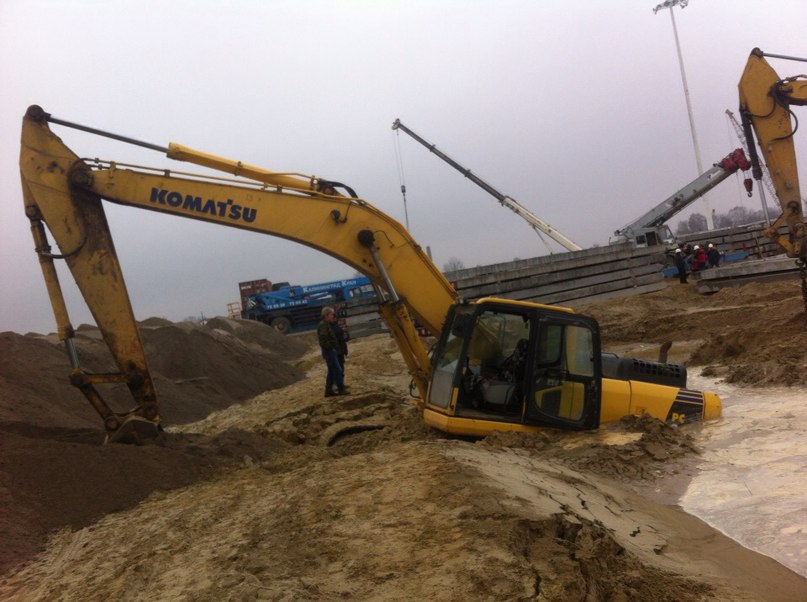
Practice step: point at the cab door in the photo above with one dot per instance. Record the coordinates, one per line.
(448, 364)
(565, 384)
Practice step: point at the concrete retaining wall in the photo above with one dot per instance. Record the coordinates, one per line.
(566, 279)
(747, 239)
(575, 278)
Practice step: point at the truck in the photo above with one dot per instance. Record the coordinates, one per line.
(294, 308)
(496, 364)
(650, 229)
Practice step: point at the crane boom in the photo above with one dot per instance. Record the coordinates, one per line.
(533, 220)
(738, 129)
(683, 197)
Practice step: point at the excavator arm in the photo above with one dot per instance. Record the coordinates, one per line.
(765, 101)
(65, 193)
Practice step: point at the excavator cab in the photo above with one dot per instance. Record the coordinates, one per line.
(523, 364)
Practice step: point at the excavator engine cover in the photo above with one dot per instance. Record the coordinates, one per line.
(627, 368)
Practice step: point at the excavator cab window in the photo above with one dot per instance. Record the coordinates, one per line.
(494, 362)
(497, 361)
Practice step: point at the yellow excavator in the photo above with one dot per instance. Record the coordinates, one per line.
(765, 101)
(497, 364)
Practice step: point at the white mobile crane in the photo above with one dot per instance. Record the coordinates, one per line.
(533, 220)
(650, 228)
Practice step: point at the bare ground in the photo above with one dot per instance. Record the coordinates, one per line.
(280, 494)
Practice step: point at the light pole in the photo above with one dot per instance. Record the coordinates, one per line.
(682, 3)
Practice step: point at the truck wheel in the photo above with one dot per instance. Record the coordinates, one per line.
(281, 324)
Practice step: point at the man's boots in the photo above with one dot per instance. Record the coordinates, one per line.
(342, 390)
(329, 392)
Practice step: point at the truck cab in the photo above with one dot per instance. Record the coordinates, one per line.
(651, 237)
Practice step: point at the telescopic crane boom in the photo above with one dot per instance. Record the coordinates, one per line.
(647, 230)
(533, 220)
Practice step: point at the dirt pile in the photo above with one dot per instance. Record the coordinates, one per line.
(399, 522)
(752, 334)
(638, 448)
(196, 369)
(54, 470)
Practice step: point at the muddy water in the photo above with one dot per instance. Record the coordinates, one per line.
(752, 482)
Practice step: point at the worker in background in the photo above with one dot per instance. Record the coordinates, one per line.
(712, 256)
(688, 252)
(681, 265)
(698, 259)
(330, 353)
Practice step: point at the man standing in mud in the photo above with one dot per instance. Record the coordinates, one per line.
(341, 345)
(329, 344)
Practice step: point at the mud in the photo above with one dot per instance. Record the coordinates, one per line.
(750, 335)
(281, 494)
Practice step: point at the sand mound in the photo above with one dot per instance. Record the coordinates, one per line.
(752, 334)
(196, 369)
(54, 470)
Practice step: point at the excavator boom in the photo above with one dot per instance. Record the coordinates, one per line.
(765, 101)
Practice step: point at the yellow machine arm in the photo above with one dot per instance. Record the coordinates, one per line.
(765, 100)
(65, 192)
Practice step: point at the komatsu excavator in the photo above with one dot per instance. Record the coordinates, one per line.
(497, 365)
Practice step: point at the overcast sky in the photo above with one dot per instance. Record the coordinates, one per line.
(573, 107)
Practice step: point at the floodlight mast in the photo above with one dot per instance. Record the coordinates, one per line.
(670, 4)
(533, 220)
(683, 3)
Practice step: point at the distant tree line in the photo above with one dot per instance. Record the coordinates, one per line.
(453, 265)
(738, 216)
